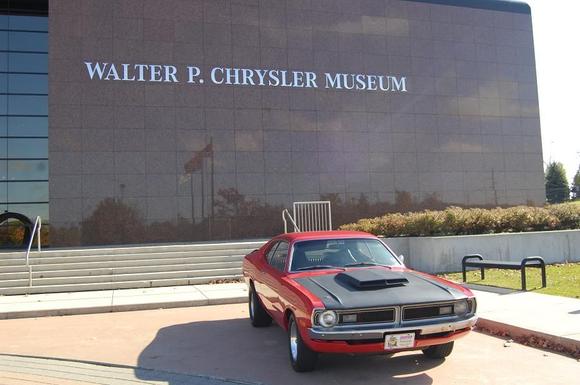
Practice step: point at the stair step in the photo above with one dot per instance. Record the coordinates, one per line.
(191, 247)
(120, 277)
(121, 263)
(49, 259)
(19, 290)
(119, 270)
(13, 269)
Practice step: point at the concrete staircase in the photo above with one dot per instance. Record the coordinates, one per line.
(68, 270)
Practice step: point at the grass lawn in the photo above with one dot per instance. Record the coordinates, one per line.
(563, 279)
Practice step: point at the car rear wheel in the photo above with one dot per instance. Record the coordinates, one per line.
(258, 315)
(301, 357)
(439, 351)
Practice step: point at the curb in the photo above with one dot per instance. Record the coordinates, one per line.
(121, 308)
(531, 337)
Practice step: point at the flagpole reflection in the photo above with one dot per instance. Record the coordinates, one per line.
(197, 163)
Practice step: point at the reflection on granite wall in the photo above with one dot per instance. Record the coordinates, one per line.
(127, 157)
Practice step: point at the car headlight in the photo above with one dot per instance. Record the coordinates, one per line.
(327, 319)
(460, 308)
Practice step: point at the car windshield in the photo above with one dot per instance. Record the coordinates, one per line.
(340, 253)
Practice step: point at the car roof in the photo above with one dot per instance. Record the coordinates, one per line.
(313, 235)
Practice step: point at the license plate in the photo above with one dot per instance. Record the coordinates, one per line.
(399, 341)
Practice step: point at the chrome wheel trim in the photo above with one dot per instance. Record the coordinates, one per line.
(252, 305)
(293, 341)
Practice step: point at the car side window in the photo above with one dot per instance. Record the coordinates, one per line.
(278, 260)
(271, 252)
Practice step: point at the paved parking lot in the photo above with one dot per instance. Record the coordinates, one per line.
(218, 341)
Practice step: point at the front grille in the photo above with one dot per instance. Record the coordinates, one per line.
(427, 311)
(368, 316)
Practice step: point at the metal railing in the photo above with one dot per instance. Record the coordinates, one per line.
(35, 231)
(287, 216)
(313, 216)
(309, 216)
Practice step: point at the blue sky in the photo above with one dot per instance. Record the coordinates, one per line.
(557, 42)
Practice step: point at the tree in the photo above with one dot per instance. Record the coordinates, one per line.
(576, 185)
(557, 187)
(113, 222)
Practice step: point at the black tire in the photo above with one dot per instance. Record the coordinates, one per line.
(301, 357)
(258, 315)
(439, 351)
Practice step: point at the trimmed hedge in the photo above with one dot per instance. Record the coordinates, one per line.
(459, 221)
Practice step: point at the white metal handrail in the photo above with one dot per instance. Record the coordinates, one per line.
(286, 215)
(35, 231)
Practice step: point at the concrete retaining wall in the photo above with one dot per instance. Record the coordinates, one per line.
(444, 254)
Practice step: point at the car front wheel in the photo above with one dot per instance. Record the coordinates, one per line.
(258, 315)
(439, 351)
(301, 357)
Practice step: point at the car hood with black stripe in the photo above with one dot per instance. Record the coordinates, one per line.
(376, 287)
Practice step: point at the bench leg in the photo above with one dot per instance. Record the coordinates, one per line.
(464, 273)
(482, 273)
(544, 281)
(523, 272)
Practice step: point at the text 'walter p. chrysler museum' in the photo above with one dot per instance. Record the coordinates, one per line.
(179, 120)
(244, 77)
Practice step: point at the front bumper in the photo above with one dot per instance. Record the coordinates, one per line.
(377, 333)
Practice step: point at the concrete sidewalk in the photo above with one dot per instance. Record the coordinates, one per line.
(43, 305)
(523, 314)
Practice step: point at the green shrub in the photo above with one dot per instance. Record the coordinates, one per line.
(423, 223)
(567, 213)
(459, 221)
(522, 218)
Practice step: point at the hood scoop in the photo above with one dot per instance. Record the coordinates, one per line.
(371, 279)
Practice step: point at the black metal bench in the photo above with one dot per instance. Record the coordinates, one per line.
(476, 260)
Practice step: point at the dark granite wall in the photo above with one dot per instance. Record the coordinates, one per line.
(466, 132)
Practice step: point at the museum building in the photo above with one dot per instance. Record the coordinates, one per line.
(147, 121)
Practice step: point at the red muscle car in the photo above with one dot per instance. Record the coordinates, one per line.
(347, 292)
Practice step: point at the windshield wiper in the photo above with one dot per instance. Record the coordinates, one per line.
(316, 267)
(364, 264)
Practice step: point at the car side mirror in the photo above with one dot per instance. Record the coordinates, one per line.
(402, 258)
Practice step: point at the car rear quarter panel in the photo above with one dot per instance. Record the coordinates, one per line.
(249, 266)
